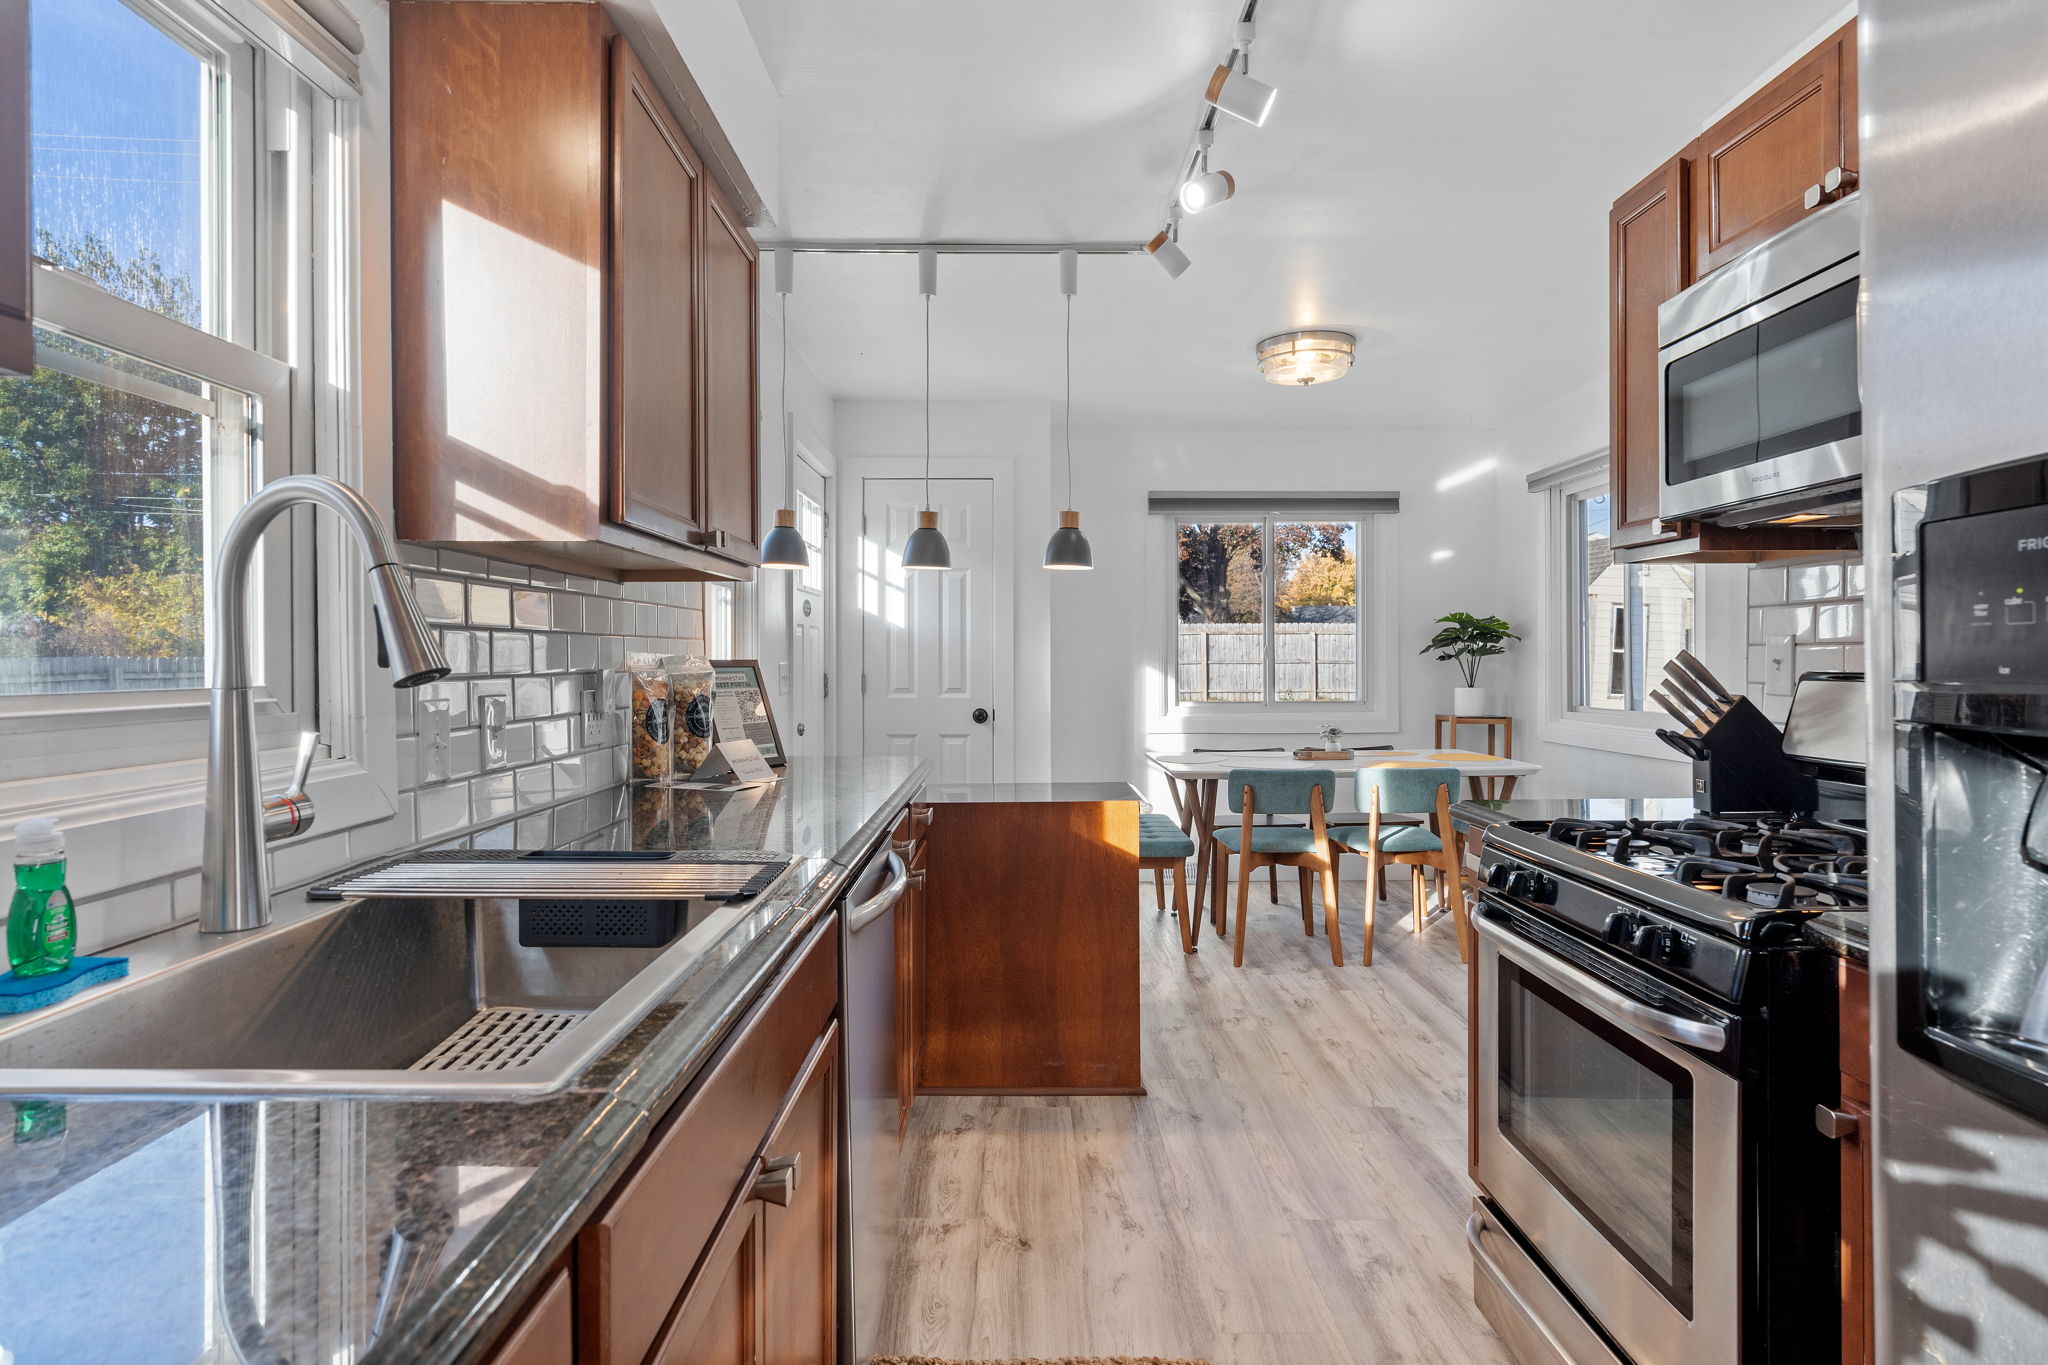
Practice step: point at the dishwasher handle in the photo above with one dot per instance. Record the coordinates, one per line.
(861, 914)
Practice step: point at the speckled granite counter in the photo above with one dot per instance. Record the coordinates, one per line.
(394, 1230)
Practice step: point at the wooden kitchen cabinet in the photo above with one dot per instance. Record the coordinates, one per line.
(574, 324)
(1851, 1122)
(546, 1332)
(17, 334)
(723, 1318)
(1739, 183)
(1649, 250)
(909, 842)
(1752, 169)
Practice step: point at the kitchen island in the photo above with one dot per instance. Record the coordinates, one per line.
(404, 1229)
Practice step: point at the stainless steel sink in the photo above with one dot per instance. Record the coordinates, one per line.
(378, 997)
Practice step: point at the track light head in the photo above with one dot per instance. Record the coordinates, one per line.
(1240, 95)
(1206, 188)
(1167, 252)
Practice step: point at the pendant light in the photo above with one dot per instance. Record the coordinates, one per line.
(783, 547)
(927, 548)
(1068, 548)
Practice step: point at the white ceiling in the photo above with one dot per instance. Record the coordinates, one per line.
(1434, 177)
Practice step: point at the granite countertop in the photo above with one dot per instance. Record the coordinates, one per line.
(968, 793)
(387, 1229)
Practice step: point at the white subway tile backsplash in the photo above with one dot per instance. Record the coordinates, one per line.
(1838, 621)
(1818, 659)
(519, 744)
(530, 609)
(532, 697)
(123, 917)
(443, 809)
(455, 561)
(488, 687)
(565, 611)
(511, 652)
(551, 737)
(548, 578)
(549, 654)
(1795, 623)
(465, 753)
(535, 786)
(489, 605)
(440, 599)
(1813, 582)
(492, 796)
(1854, 580)
(1766, 585)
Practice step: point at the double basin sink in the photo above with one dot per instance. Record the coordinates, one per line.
(386, 996)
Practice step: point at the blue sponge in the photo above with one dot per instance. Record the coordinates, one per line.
(20, 994)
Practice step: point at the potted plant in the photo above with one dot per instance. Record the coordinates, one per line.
(1464, 640)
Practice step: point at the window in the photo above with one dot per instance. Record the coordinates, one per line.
(1267, 610)
(187, 350)
(1628, 620)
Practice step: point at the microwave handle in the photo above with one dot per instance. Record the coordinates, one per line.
(1591, 990)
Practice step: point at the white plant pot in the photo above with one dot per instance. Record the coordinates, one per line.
(1469, 701)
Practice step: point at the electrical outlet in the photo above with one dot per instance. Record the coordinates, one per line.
(1778, 674)
(433, 741)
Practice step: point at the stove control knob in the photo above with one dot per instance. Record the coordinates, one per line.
(1655, 943)
(1497, 875)
(1620, 928)
(1523, 884)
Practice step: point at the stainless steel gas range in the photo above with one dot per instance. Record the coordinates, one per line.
(1651, 1034)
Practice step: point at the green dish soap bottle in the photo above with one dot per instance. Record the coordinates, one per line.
(42, 924)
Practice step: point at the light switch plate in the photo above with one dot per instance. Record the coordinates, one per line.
(1778, 674)
(433, 741)
(491, 714)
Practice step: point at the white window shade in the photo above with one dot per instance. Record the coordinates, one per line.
(1219, 506)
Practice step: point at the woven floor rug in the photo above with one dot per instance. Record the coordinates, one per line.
(1063, 1360)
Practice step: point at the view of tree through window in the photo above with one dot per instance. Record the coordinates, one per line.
(1235, 618)
(105, 458)
(1633, 618)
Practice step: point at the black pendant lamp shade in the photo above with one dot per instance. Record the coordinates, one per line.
(927, 548)
(1068, 548)
(783, 546)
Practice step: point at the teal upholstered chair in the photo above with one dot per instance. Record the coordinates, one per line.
(1407, 790)
(1164, 847)
(1254, 792)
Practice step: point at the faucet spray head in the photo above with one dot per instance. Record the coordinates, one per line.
(404, 644)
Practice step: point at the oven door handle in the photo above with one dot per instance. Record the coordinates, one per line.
(1591, 990)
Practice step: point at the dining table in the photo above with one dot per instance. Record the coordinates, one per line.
(1194, 775)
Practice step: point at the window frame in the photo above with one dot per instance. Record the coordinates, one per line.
(290, 335)
(1377, 708)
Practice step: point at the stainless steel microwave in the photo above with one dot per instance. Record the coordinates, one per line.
(1762, 413)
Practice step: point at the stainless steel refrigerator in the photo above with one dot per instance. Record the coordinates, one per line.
(1954, 127)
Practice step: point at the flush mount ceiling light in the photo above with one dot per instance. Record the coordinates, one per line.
(1068, 548)
(1304, 358)
(927, 548)
(783, 547)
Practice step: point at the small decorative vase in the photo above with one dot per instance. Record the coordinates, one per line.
(1468, 701)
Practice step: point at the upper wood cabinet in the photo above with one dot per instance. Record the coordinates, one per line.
(17, 336)
(1741, 182)
(1649, 246)
(1752, 170)
(571, 343)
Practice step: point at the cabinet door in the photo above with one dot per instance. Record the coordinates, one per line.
(545, 1333)
(721, 1319)
(1755, 165)
(17, 338)
(1859, 1346)
(802, 1276)
(731, 413)
(656, 218)
(1648, 247)
(910, 914)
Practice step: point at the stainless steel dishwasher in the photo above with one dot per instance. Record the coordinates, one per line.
(869, 1019)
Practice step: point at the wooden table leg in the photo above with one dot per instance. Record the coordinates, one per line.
(1203, 801)
(1507, 788)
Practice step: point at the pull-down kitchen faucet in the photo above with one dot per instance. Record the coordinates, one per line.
(240, 824)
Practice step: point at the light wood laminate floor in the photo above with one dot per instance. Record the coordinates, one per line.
(1292, 1189)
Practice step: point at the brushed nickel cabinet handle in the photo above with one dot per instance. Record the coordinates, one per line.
(1834, 1123)
(776, 1184)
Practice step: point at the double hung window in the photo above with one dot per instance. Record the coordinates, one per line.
(1267, 609)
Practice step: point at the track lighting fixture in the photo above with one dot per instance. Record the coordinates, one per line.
(1068, 548)
(1165, 248)
(927, 548)
(1205, 187)
(1233, 90)
(783, 546)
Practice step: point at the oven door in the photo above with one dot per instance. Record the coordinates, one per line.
(1608, 1130)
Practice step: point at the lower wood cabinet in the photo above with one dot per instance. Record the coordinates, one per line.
(724, 1316)
(1850, 1123)
(546, 1332)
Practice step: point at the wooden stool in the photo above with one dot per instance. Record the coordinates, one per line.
(1162, 846)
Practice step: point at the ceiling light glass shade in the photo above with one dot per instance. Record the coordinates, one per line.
(1167, 252)
(1068, 548)
(783, 548)
(1210, 187)
(1237, 94)
(927, 548)
(1303, 358)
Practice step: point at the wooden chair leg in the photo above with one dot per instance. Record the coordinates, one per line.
(1244, 905)
(1190, 925)
(1219, 897)
(1454, 892)
(1329, 878)
(1375, 877)
(1159, 885)
(1420, 892)
(1273, 882)
(1308, 922)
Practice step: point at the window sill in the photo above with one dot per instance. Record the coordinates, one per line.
(127, 826)
(1635, 735)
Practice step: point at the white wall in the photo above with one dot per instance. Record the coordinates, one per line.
(1020, 434)
(812, 412)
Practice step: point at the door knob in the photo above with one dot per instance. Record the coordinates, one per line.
(981, 715)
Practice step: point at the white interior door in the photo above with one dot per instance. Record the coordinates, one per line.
(807, 730)
(928, 636)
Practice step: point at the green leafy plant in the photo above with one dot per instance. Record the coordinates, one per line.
(1466, 639)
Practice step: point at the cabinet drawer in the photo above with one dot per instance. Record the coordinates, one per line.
(909, 835)
(634, 1258)
(1852, 984)
(545, 1334)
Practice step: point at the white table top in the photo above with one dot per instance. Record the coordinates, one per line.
(1202, 767)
